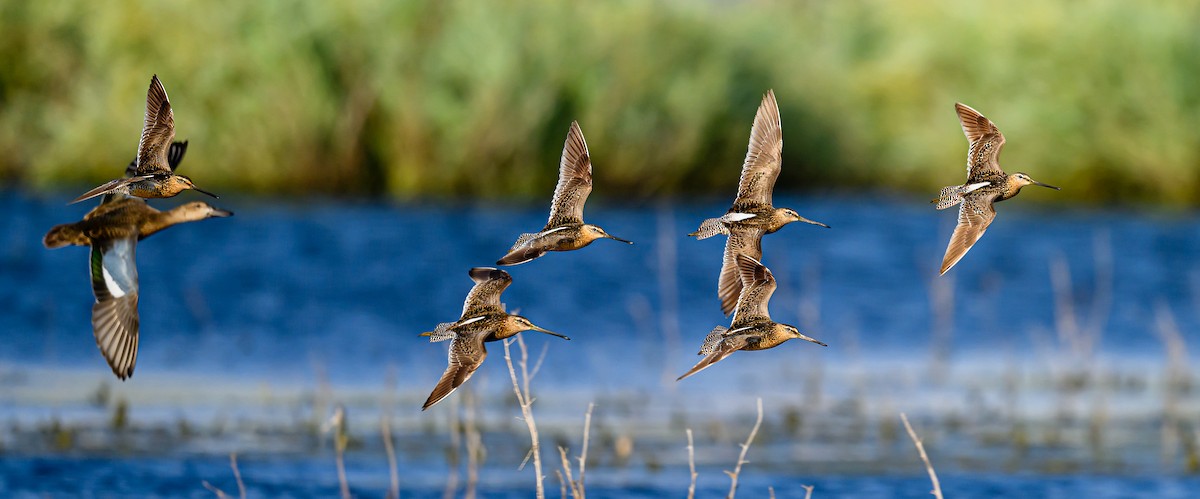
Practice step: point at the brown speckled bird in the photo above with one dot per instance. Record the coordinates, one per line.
(112, 230)
(752, 327)
(483, 319)
(153, 173)
(565, 231)
(986, 185)
(752, 213)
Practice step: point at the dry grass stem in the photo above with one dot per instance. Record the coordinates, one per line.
(733, 475)
(341, 438)
(807, 491)
(937, 488)
(526, 402)
(565, 476)
(455, 445)
(211, 488)
(474, 442)
(691, 465)
(237, 475)
(385, 431)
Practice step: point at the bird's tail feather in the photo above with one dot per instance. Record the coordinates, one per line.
(712, 340)
(709, 228)
(440, 333)
(949, 196)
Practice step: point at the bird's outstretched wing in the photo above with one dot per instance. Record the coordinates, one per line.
(466, 355)
(726, 347)
(115, 315)
(763, 156)
(974, 217)
(484, 297)
(574, 181)
(742, 241)
(758, 284)
(985, 140)
(157, 132)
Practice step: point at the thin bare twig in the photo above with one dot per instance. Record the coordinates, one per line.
(526, 410)
(733, 476)
(211, 488)
(807, 491)
(691, 465)
(937, 488)
(237, 475)
(474, 442)
(337, 423)
(567, 478)
(587, 429)
(385, 430)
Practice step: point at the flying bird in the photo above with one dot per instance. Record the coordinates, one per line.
(752, 327)
(483, 319)
(986, 185)
(152, 175)
(565, 231)
(752, 213)
(112, 230)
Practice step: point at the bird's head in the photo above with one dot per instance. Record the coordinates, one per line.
(794, 333)
(524, 324)
(1020, 179)
(790, 215)
(594, 232)
(199, 210)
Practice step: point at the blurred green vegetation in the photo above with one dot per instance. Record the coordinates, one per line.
(421, 99)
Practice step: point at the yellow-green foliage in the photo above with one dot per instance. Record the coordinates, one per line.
(474, 96)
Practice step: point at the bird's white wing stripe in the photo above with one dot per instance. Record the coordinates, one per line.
(118, 276)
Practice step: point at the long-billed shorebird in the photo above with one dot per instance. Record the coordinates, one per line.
(153, 173)
(752, 213)
(483, 319)
(986, 184)
(752, 327)
(112, 230)
(565, 231)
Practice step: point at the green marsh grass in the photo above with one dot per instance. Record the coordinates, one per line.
(468, 97)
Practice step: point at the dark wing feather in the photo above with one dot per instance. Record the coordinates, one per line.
(484, 297)
(985, 140)
(742, 241)
(157, 132)
(974, 217)
(466, 355)
(114, 315)
(757, 287)
(724, 349)
(574, 181)
(763, 155)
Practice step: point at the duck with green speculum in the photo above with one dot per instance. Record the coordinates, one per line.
(112, 230)
(566, 230)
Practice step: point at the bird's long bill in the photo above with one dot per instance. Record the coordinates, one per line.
(1048, 186)
(806, 338)
(547, 331)
(217, 212)
(615, 238)
(202, 191)
(814, 222)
